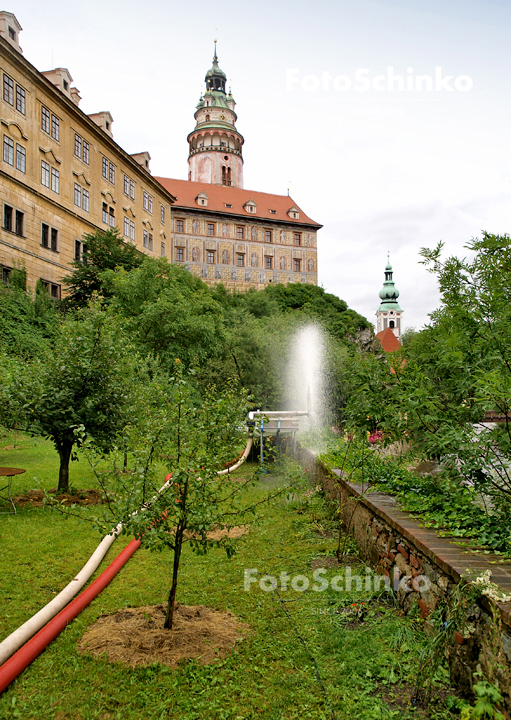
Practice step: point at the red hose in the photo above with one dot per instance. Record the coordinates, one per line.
(34, 647)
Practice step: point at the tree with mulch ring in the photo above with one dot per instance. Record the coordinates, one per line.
(197, 435)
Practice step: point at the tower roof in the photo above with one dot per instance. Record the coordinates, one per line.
(389, 292)
(215, 70)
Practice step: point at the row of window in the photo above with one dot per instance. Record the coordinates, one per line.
(240, 259)
(240, 232)
(10, 156)
(50, 123)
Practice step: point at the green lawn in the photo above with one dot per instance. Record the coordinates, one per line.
(301, 658)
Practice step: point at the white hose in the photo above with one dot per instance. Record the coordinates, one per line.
(240, 461)
(20, 636)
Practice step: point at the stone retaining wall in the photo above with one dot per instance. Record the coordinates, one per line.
(396, 545)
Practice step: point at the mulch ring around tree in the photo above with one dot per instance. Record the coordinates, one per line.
(136, 636)
(34, 498)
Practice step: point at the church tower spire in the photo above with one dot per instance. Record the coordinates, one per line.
(215, 154)
(389, 313)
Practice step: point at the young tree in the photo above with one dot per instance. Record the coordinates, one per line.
(192, 437)
(102, 251)
(86, 379)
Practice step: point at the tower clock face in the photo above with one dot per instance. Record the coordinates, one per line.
(222, 117)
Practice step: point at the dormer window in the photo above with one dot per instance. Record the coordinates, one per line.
(202, 199)
(250, 206)
(12, 33)
(227, 205)
(273, 212)
(65, 84)
(294, 213)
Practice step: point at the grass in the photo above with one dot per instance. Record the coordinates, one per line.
(307, 654)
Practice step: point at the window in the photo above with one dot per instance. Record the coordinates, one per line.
(8, 90)
(179, 225)
(104, 170)
(8, 150)
(111, 173)
(52, 289)
(78, 251)
(111, 217)
(20, 99)
(211, 229)
(21, 159)
(298, 238)
(273, 212)
(55, 180)
(45, 119)
(78, 195)
(85, 200)
(45, 174)
(8, 218)
(241, 260)
(55, 128)
(45, 235)
(78, 146)
(267, 236)
(240, 233)
(211, 257)
(126, 185)
(12, 33)
(105, 213)
(180, 254)
(132, 189)
(19, 218)
(129, 228)
(162, 215)
(162, 249)
(148, 202)
(49, 237)
(268, 262)
(148, 240)
(5, 274)
(86, 152)
(296, 265)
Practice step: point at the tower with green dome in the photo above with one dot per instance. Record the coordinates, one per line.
(215, 145)
(389, 313)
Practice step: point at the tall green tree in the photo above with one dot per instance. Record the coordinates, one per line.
(102, 251)
(85, 379)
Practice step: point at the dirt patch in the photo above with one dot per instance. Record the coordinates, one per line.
(234, 532)
(34, 498)
(135, 636)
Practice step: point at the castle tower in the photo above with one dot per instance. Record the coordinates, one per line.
(215, 145)
(389, 313)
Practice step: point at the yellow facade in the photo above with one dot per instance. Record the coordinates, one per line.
(63, 175)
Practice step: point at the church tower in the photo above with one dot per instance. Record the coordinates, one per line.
(389, 313)
(215, 145)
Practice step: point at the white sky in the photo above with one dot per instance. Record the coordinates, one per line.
(381, 170)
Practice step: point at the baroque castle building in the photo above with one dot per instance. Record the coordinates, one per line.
(63, 175)
(222, 232)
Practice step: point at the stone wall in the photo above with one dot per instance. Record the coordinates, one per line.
(396, 545)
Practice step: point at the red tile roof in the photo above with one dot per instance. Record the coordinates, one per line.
(388, 340)
(219, 196)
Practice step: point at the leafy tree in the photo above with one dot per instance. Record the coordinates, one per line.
(85, 379)
(26, 324)
(453, 372)
(169, 312)
(195, 437)
(102, 251)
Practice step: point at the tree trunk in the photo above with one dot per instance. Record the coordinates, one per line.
(169, 617)
(65, 455)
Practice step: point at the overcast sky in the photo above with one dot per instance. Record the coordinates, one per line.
(382, 168)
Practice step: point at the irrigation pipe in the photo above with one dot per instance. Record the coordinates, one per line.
(54, 616)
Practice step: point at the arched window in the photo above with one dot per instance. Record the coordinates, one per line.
(207, 118)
